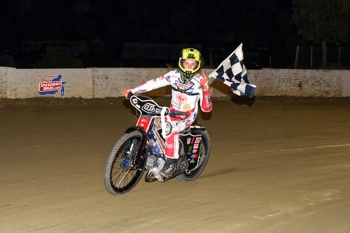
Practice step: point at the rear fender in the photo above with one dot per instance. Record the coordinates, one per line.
(196, 129)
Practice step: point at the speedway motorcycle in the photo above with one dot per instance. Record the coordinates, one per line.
(142, 149)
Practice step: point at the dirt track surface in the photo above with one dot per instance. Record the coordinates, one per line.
(276, 165)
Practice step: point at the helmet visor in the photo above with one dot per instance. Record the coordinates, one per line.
(189, 65)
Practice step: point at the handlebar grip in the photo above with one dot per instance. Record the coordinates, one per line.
(178, 113)
(130, 94)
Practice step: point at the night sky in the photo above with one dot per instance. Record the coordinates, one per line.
(228, 23)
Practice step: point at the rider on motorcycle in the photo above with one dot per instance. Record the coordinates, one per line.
(188, 88)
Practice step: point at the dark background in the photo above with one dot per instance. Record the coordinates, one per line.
(88, 33)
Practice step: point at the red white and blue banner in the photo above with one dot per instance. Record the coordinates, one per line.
(50, 85)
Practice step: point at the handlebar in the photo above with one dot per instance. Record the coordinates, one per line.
(177, 113)
(129, 95)
(150, 107)
(166, 110)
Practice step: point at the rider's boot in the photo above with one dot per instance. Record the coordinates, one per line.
(171, 151)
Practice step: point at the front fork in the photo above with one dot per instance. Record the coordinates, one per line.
(142, 150)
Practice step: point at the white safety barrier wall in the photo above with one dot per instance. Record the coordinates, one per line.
(110, 82)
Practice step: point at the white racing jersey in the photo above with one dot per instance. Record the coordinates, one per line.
(184, 96)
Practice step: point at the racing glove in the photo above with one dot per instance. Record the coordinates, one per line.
(126, 93)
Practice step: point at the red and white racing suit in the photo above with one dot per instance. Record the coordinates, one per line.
(184, 97)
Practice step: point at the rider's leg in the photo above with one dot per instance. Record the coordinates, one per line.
(172, 154)
(172, 145)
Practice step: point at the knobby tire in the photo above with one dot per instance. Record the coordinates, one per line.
(122, 173)
(203, 156)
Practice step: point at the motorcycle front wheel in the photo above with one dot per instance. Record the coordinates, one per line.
(203, 157)
(124, 169)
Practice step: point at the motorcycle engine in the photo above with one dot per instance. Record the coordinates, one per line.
(153, 165)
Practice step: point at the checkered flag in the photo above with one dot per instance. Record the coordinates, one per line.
(233, 73)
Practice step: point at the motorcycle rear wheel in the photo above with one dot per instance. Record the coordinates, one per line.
(123, 172)
(203, 157)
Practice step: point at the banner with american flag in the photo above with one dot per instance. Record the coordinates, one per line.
(233, 73)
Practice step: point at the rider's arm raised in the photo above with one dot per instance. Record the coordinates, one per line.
(206, 103)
